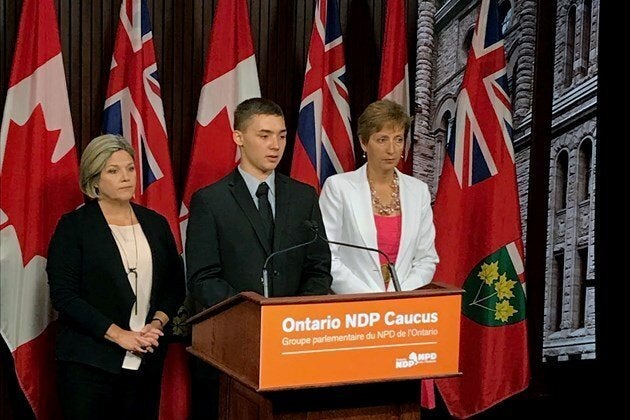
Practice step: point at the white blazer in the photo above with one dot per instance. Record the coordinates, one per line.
(346, 205)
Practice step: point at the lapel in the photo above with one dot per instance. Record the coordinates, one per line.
(283, 200)
(410, 218)
(246, 203)
(104, 239)
(361, 206)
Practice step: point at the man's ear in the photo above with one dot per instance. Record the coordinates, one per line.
(237, 136)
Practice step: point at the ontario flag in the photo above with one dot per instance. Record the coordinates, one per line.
(478, 228)
(38, 184)
(230, 77)
(323, 146)
(394, 80)
(133, 109)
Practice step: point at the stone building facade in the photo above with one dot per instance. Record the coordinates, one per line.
(444, 34)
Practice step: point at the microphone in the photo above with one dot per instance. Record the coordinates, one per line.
(312, 225)
(265, 273)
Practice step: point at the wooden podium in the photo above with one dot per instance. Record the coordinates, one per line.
(356, 356)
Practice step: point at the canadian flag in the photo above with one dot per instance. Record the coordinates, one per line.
(394, 81)
(38, 183)
(230, 77)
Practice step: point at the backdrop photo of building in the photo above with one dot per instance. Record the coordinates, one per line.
(442, 49)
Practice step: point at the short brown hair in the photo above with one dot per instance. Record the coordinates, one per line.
(254, 106)
(380, 114)
(94, 158)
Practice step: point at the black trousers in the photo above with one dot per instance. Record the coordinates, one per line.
(205, 390)
(87, 392)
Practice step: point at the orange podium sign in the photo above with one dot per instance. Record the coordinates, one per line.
(324, 343)
(288, 343)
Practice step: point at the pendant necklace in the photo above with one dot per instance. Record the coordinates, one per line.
(130, 269)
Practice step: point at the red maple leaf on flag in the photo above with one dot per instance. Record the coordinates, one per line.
(38, 183)
(37, 178)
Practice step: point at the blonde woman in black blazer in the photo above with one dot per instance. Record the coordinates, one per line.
(116, 280)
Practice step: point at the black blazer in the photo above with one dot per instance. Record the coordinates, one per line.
(90, 289)
(226, 246)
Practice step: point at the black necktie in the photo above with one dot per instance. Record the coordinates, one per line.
(264, 207)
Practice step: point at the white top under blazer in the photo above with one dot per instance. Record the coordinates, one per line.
(124, 236)
(346, 205)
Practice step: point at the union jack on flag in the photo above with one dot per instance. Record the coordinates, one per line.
(133, 109)
(483, 106)
(323, 145)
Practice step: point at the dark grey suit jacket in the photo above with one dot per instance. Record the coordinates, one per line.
(226, 246)
(90, 289)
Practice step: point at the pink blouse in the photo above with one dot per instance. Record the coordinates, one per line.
(388, 235)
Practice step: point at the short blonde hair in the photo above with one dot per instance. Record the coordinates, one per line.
(381, 114)
(94, 158)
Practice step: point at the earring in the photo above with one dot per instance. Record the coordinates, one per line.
(402, 155)
(364, 155)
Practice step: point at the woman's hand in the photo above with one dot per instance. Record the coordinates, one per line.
(152, 331)
(135, 341)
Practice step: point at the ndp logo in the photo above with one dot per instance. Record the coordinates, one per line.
(415, 359)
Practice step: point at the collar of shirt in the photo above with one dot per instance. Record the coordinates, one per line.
(252, 184)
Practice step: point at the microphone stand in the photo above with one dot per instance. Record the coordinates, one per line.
(265, 272)
(390, 265)
(265, 281)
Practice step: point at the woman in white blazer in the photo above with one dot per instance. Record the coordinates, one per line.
(377, 206)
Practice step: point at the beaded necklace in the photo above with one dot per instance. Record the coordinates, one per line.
(393, 206)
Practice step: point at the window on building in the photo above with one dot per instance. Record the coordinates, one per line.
(585, 170)
(450, 127)
(557, 291)
(586, 37)
(570, 48)
(562, 170)
(441, 137)
(468, 40)
(505, 15)
(582, 267)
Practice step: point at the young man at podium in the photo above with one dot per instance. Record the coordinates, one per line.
(244, 219)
